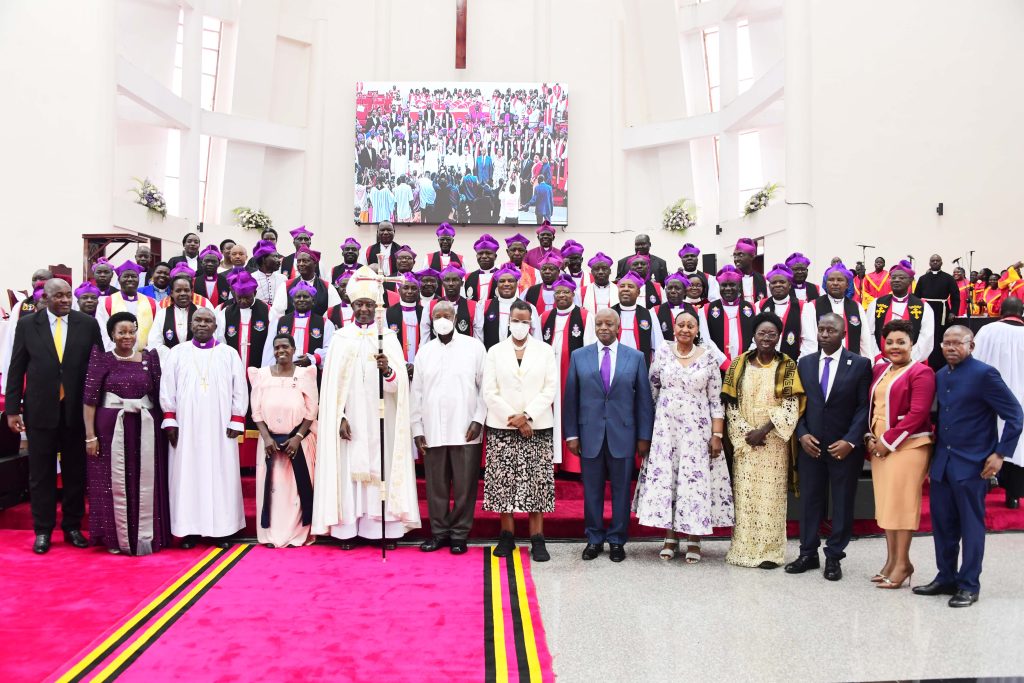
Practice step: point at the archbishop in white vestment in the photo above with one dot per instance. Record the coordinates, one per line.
(346, 490)
(203, 393)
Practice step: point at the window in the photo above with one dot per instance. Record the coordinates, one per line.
(712, 62)
(211, 40)
(711, 67)
(751, 177)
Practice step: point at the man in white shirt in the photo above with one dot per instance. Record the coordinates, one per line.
(856, 338)
(901, 304)
(601, 292)
(447, 412)
(638, 329)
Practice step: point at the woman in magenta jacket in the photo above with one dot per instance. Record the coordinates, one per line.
(900, 444)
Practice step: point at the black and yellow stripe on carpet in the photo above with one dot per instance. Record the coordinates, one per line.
(162, 611)
(507, 610)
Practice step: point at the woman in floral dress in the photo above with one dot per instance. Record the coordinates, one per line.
(684, 484)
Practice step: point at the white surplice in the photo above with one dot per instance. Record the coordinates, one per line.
(346, 490)
(1001, 345)
(203, 392)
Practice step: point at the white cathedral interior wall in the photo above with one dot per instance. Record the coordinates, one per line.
(901, 119)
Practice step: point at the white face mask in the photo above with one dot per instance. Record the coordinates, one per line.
(519, 330)
(443, 326)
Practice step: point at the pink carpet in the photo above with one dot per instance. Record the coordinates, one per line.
(55, 605)
(320, 613)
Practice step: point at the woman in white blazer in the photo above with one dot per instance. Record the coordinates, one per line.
(520, 381)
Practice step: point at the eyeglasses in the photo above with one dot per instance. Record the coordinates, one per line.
(953, 344)
(767, 335)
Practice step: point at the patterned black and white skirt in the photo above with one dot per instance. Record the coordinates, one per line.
(519, 476)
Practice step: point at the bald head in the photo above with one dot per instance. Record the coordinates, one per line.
(1012, 308)
(58, 296)
(606, 326)
(957, 344)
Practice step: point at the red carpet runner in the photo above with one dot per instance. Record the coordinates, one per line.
(320, 613)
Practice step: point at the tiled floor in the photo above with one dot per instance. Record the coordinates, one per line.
(648, 620)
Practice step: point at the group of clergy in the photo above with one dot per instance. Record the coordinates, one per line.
(194, 304)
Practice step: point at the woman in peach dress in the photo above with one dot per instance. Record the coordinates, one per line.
(284, 408)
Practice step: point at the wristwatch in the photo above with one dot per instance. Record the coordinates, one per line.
(718, 434)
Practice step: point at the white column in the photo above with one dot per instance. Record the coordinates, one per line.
(728, 141)
(191, 91)
(314, 159)
(799, 196)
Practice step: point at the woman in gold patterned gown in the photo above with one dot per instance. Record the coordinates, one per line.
(763, 400)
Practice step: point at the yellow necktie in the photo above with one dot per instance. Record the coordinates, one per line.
(58, 342)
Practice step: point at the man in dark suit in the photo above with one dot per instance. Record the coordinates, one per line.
(45, 383)
(607, 417)
(968, 452)
(659, 267)
(831, 433)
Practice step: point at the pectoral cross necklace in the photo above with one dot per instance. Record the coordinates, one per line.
(204, 373)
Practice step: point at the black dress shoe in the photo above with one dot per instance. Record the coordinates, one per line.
(538, 550)
(458, 547)
(76, 538)
(188, 542)
(802, 564)
(833, 571)
(435, 543)
(963, 599)
(390, 544)
(593, 550)
(616, 552)
(222, 543)
(1012, 503)
(768, 564)
(935, 588)
(42, 544)
(506, 544)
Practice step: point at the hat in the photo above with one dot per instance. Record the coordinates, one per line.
(363, 285)
(242, 283)
(485, 242)
(841, 269)
(37, 291)
(302, 286)
(445, 230)
(451, 269)
(351, 242)
(314, 254)
(688, 249)
(599, 258)
(129, 265)
(572, 248)
(552, 258)
(507, 269)
(564, 281)
(545, 227)
(729, 273)
(638, 257)
(182, 269)
(211, 250)
(630, 276)
(301, 230)
(904, 266)
(795, 258)
(346, 272)
(263, 248)
(407, 249)
(86, 288)
(411, 277)
(779, 269)
(101, 262)
(518, 237)
(680, 278)
(427, 272)
(746, 245)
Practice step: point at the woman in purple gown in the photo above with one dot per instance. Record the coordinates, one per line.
(127, 463)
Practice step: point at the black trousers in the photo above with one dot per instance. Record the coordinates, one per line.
(43, 447)
(1011, 478)
(817, 475)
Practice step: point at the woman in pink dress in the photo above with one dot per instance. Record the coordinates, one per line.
(284, 408)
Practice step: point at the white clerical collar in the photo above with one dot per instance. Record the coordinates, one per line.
(780, 302)
(898, 300)
(934, 272)
(837, 302)
(624, 307)
(504, 300)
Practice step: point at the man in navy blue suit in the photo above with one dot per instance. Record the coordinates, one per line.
(607, 417)
(968, 452)
(831, 432)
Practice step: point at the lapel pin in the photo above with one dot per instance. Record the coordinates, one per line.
(849, 361)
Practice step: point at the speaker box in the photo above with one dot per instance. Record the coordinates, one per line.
(710, 264)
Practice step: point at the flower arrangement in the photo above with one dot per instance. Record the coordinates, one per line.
(150, 196)
(760, 199)
(679, 216)
(252, 219)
